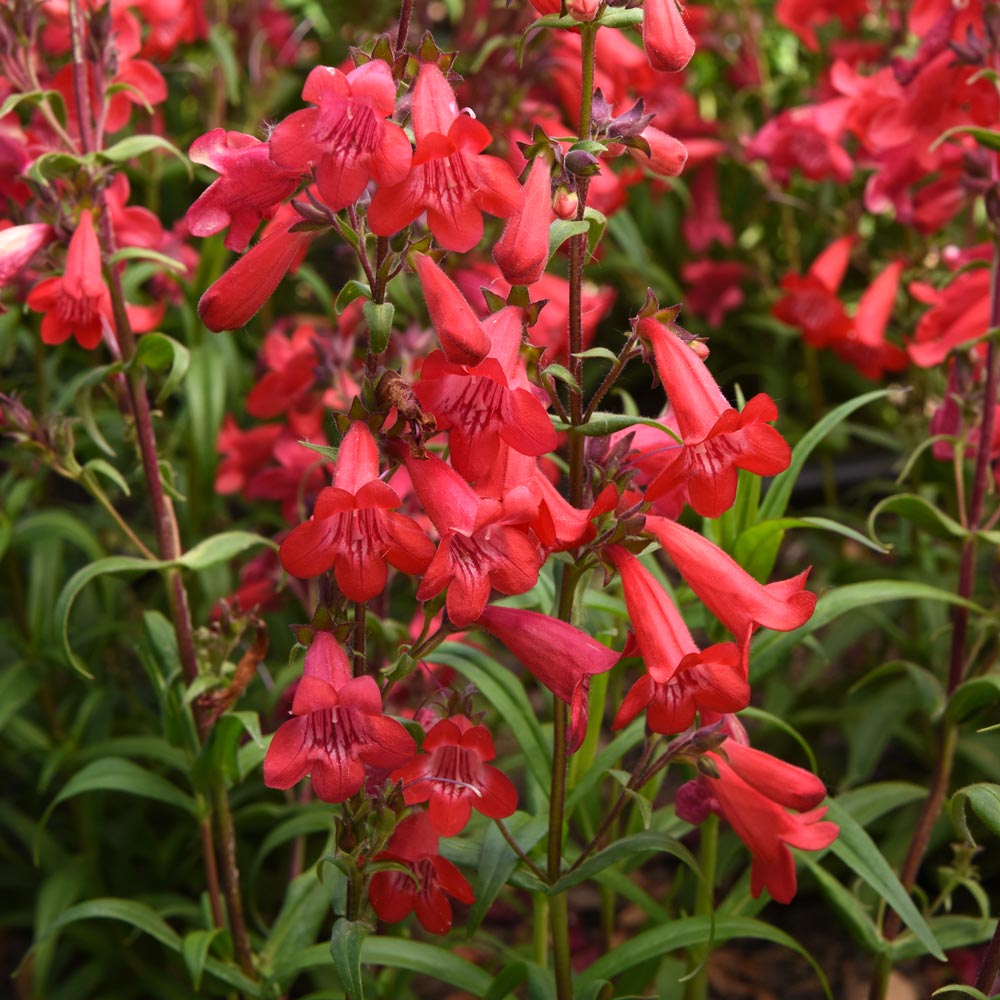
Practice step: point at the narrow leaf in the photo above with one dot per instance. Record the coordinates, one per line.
(345, 946)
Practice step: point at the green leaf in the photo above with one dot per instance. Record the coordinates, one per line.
(920, 513)
(221, 548)
(398, 953)
(106, 469)
(144, 253)
(156, 351)
(951, 932)
(305, 906)
(627, 848)
(139, 145)
(858, 851)
(116, 774)
(867, 804)
(969, 991)
(597, 352)
(352, 290)
(985, 801)
(497, 860)
(511, 977)
(221, 39)
(194, 950)
(379, 316)
(685, 933)
(147, 920)
(780, 490)
(985, 137)
(850, 908)
(213, 550)
(6, 533)
(602, 424)
(971, 696)
(315, 818)
(345, 946)
(756, 548)
(772, 650)
(563, 229)
(563, 374)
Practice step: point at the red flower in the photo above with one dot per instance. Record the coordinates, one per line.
(78, 303)
(680, 679)
(239, 293)
(425, 890)
(753, 792)
(523, 250)
(250, 189)
(487, 404)
(448, 179)
(353, 528)
(452, 774)
(718, 440)
(668, 43)
(18, 244)
(482, 544)
(346, 137)
(729, 592)
(562, 657)
(338, 729)
(462, 337)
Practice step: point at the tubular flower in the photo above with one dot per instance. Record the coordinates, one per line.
(730, 593)
(753, 793)
(487, 404)
(718, 439)
(462, 337)
(77, 303)
(346, 137)
(523, 250)
(665, 37)
(680, 679)
(452, 774)
(239, 293)
(448, 178)
(562, 657)
(482, 544)
(431, 879)
(250, 188)
(18, 244)
(338, 728)
(353, 528)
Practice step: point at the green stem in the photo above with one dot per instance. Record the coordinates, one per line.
(697, 987)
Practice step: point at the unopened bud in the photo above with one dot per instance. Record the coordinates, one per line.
(700, 348)
(565, 203)
(582, 163)
(583, 10)
(708, 767)
(669, 45)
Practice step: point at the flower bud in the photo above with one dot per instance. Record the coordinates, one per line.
(565, 202)
(583, 10)
(669, 45)
(582, 163)
(523, 249)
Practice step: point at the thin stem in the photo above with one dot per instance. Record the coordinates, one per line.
(925, 823)
(697, 987)
(516, 848)
(404, 26)
(627, 354)
(101, 497)
(990, 968)
(81, 88)
(358, 639)
(211, 873)
(231, 879)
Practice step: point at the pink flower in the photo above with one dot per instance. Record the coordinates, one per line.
(18, 244)
(452, 774)
(338, 729)
(448, 179)
(346, 137)
(353, 528)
